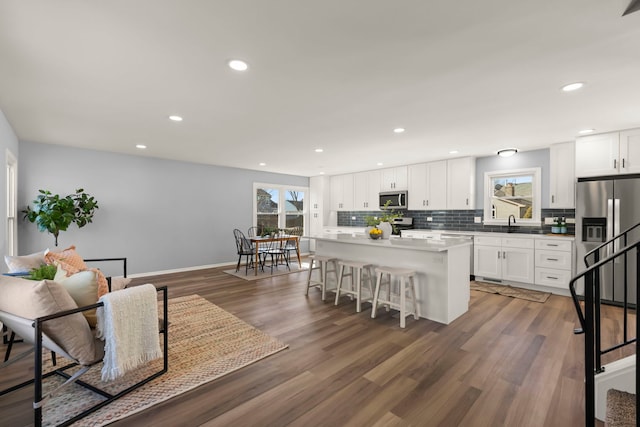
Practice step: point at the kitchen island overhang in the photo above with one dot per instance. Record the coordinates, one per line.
(442, 267)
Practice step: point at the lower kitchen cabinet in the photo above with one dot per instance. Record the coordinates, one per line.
(504, 258)
(553, 259)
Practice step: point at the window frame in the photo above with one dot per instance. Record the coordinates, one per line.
(11, 240)
(536, 205)
(283, 190)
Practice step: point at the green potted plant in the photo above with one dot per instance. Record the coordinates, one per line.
(386, 220)
(54, 213)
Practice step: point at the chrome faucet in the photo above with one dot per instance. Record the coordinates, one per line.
(509, 220)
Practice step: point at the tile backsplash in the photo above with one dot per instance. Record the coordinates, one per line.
(457, 220)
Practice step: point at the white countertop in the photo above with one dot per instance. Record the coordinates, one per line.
(497, 234)
(395, 242)
(349, 230)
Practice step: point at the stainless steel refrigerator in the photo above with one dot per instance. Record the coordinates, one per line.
(605, 207)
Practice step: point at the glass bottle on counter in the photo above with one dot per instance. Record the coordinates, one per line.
(563, 225)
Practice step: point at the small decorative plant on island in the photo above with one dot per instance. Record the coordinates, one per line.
(54, 214)
(387, 216)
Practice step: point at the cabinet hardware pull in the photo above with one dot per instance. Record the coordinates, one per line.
(427, 203)
(615, 164)
(552, 259)
(498, 254)
(467, 202)
(553, 198)
(552, 278)
(504, 255)
(551, 244)
(622, 163)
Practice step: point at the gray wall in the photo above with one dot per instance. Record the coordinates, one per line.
(8, 141)
(523, 159)
(160, 214)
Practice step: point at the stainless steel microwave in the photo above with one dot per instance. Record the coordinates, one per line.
(396, 199)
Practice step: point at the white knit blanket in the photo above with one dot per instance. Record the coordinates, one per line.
(128, 324)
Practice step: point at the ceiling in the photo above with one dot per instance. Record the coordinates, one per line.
(466, 75)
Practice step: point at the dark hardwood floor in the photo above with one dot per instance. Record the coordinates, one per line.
(507, 362)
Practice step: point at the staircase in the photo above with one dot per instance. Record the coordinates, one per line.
(620, 375)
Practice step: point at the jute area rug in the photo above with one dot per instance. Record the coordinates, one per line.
(510, 291)
(205, 343)
(281, 270)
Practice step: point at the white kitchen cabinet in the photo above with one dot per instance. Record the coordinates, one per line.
(392, 179)
(342, 192)
(630, 151)
(461, 174)
(366, 190)
(504, 258)
(427, 186)
(608, 154)
(319, 196)
(562, 176)
(553, 260)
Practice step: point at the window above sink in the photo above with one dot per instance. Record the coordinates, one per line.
(513, 192)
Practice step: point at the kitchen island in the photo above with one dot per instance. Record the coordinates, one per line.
(442, 267)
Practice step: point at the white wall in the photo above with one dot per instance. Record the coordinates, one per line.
(160, 214)
(8, 141)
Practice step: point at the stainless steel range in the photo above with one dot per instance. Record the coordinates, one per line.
(400, 224)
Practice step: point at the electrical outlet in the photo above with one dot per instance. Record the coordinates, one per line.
(477, 219)
(571, 220)
(429, 219)
(550, 220)
(353, 218)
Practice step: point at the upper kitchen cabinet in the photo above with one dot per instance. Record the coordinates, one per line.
(392, 179)
(319, 192)
(366, 190)
(319, 196)
(427, 186)
(608, 154)
(630, 151)
(342, 192)
(461, 178)
(562, 176)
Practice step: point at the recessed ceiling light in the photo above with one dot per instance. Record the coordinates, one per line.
(262, 164)
(175, 118)
(141, 146)
(584, 131)
(321, 173)
(380, 163)
(238, 65)
(507, 152)
(319, 150)
(572, 86)
(453, 152)
(398, 130)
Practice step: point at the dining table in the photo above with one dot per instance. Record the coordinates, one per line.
(257, 240)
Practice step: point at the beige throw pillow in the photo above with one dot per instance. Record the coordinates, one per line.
(24, 263)
(83, 288)
(31, 299)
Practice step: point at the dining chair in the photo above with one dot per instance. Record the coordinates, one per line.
(292, 245)
(252, 232)
(244, 248)
(276, 250)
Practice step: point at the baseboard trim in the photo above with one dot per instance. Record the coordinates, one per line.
(185, 269)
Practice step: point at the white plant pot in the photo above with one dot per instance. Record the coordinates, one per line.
(386, 229)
